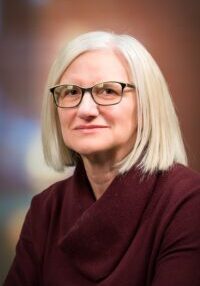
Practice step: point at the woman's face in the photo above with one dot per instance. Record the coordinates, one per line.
(102, 131)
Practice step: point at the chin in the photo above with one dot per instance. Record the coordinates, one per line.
(89, 152)
(87, 148)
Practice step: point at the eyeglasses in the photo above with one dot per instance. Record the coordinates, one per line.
(105, 93)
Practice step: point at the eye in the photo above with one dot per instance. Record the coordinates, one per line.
(109, 91)
(72, 92)
(69, 91)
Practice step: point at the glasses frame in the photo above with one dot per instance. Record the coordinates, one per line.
(89, 89)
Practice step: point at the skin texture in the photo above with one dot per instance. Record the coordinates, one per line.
(102, 135)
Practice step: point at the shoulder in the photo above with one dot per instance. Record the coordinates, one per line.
(45, 211)
(175, 202)
(176, 190)
(181, 172)
(180, 201)
(177, 194)
(51, 197)
(180, 179)
(176, 215)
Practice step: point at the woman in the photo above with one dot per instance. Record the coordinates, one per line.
(130, 213)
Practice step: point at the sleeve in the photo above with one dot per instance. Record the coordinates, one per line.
(25, 267)
(178, 263)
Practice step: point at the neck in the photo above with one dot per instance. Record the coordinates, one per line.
(100, 175)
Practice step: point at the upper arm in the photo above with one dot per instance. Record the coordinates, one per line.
(24, 269)
(178, 262)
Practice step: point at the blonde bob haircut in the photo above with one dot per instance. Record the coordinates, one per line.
(158, 142)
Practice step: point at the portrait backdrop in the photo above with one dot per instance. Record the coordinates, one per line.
(32, 32)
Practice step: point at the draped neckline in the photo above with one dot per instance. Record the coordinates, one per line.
(102, 230)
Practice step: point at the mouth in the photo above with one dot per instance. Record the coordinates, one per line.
(80, 127)
(90, 127)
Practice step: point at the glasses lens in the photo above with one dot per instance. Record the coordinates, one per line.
(107, 93)
(67, 95)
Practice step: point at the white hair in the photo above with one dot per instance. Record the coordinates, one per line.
(158, 142)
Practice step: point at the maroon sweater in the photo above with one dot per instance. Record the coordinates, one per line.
(141, 232)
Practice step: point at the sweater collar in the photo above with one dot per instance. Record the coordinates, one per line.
(101, 233)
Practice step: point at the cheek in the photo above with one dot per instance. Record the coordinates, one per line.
(128, 121)
(131, 112)
(65, 118)
(125, 117)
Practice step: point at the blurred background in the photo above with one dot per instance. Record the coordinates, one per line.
(31, 33)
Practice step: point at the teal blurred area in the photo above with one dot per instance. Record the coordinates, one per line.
(31, 33)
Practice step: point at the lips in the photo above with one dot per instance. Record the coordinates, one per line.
(88, 127)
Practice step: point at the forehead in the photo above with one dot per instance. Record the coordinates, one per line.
(96, 66)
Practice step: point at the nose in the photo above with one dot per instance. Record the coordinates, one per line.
(87, 108)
